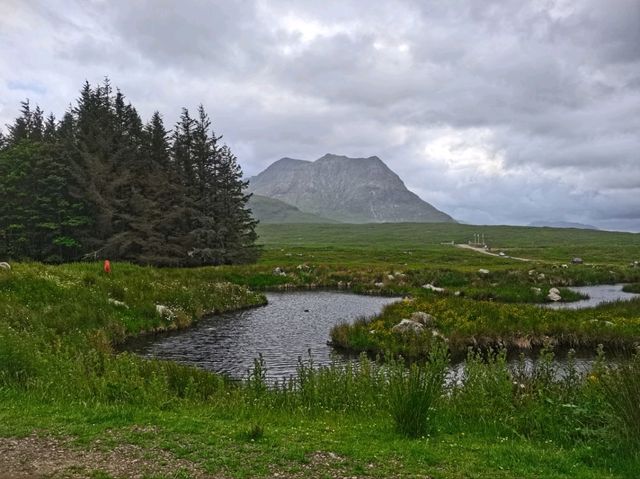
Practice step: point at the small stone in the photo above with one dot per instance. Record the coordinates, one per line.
(433, 288)
(115, 302)
(483, 271)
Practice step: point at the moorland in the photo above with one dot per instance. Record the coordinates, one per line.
(64, 386)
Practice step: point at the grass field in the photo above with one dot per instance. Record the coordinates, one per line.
(67, 401)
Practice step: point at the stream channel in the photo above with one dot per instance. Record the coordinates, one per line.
(295, 324)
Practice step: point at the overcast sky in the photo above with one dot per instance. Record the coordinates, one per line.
(497, 112)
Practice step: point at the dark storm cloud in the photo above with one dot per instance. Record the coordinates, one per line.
(495, 111)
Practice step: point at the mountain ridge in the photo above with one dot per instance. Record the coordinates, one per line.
(344, 189)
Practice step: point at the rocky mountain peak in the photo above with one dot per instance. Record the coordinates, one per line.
(356, 190)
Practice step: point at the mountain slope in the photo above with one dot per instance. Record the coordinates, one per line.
(350, 190)
(270, 210)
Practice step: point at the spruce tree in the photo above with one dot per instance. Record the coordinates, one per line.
(102, 184)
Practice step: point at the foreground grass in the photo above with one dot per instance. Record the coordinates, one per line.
(61, 381)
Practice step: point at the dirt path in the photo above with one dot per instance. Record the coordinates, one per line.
(484, 251)
(46, 457)
(35, 457)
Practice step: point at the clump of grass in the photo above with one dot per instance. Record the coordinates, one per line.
(631, 288)
(414, 391)
(255, 432)
(621, 391)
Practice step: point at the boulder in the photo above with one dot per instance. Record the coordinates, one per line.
(379, 285)
(408, 326)
(303, 267)
(5, 266)
(532, 272)
(278, 271)
(433, 288)
(564, 266)
(577, 260)
(541, 276)
(483, 271)
(554, 295)
(423, 318)
(165, 311)
(391, 277)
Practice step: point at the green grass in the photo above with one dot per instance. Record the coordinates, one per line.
(632, 288)
(60, 377)
(419, 243)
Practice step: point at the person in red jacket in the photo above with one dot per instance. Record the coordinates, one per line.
(107, 266)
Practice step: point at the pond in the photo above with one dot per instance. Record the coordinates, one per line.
(599, 294)
(290, 326)
(294, 324)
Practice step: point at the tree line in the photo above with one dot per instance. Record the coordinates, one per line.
(100, 183)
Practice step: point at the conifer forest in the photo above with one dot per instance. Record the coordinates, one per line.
(101, 183)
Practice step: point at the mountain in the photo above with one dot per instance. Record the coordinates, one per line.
(562, 224)
(349, 190)
(270, 210)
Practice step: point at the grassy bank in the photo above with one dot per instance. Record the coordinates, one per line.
(464, 323)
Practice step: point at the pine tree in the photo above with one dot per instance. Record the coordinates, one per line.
(101, 182)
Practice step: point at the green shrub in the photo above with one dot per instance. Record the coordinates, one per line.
(413, 392)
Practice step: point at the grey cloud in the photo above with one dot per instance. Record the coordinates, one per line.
(545, 93)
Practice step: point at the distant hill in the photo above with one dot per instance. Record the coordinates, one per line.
(562, 224)
(270, 210)
(349, 190)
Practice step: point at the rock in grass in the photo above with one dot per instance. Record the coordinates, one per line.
(483, 271)
(554, 295)
(423, 318)
(5, 266)
(120, 304)
(433, 288)
(279, 271)
(536, 290)
(408, 326)
(379, 285)
(165, 311)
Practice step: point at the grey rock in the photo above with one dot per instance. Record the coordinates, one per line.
(165, 311)
(433, 288)
(5, 266)
(554, 295)
(408, 326)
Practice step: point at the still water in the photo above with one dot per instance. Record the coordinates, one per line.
(599, 294)
(290, 326)
(296, 323)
